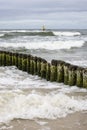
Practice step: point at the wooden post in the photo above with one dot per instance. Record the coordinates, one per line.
(20, 61)
(85, 78)
(66, 73)
(24, 62)
(10, 58)
(72, 75)
(7, 59)
(53, 70)
(28, 64)
(79, 81)
(35, 64)
(31, 65)
(48, 72)
(43, 68)
(60, 71)
(38, 66)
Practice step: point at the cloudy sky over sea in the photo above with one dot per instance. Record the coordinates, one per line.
(34, 13)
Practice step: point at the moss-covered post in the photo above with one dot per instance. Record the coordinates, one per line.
(60, 71)
(24, 62)
(35, 65)
(53, 71)
(66, 73)
(43, 68)
(72, 75)
(20, 61)
(10, 58)
(38, 66)
(28, 64)
(85, 78)
(16, 59)
(31, 66)
(13, 58)
(79, 79)
(7, 59)
(48, 72)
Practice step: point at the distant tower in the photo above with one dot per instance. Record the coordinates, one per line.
(43, 28)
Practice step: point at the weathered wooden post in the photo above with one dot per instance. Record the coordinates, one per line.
(66, 73)
(13, 58)
(35, 65)
(48, 72)
(20, 61)
(43, 68)
(38, 66)
(85, 78)
(10, 58)
(16, 59)
(7, 59)
(53, 71)
(31, 65)
(60, 71)
(79, 79)
(28, 64)
(24, 62)
(72, 75)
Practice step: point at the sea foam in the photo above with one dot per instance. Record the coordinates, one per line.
(35, 105)
(66, 33)
(49, 45)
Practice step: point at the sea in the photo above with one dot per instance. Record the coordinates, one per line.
(27, 97)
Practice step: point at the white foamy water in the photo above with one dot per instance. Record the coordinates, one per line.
(49, 45)
(66, 33)
(15, 102)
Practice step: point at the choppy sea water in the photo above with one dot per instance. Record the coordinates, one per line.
(23, 96)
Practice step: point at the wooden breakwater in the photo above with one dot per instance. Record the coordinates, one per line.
(58, 71)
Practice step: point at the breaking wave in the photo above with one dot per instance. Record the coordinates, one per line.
(49, 45)
(66, 33)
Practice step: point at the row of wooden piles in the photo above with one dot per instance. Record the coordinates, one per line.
(58, 71)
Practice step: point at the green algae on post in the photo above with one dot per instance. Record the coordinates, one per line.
(72, 75)
(60, 71)
(53, 71)
(48, 71)
(79, 79)
(43, 68)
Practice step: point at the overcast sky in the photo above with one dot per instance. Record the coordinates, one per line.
(52, 13)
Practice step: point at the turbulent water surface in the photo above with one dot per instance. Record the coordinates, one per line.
(28, 97)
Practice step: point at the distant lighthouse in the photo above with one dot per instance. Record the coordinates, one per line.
(43, 28)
